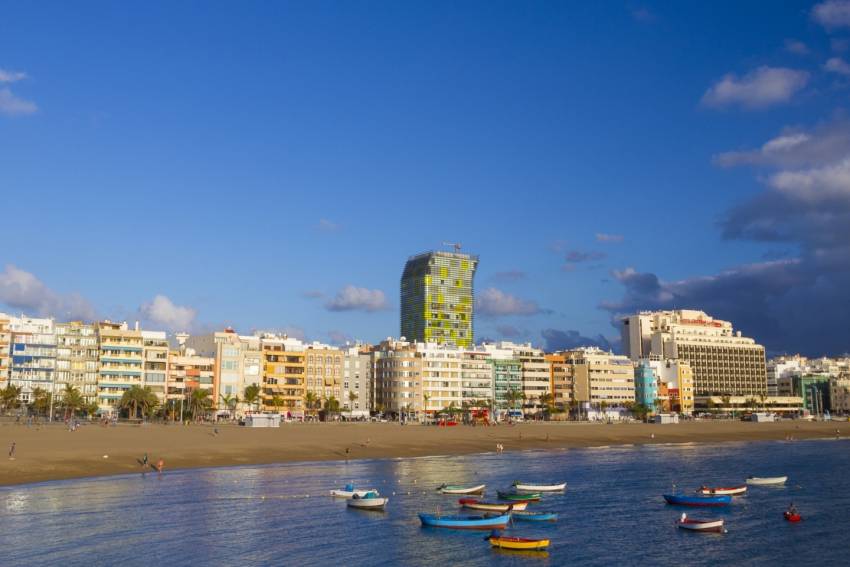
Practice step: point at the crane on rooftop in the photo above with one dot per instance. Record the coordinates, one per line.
(455, 245)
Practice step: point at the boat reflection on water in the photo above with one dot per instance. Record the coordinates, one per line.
(543, 554)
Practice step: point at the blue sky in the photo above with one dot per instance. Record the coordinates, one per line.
(272, 165)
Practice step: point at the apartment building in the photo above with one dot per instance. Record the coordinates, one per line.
(441, 377)
(238, 364)
(324, 371)
(476, 379)
(723, 361)
(357, 381)
(676, 379)
(5, 349)
(560, 379)
(398, 378)
(839, 394)
(155, 352)
(284, 367)
(599, 376)
(121, 358)
(536, 380)
(507, 378)
(77, 358)
(33, 355)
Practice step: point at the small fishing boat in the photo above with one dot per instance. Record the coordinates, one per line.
(766, 480)
(369, 502)
(475, 504)
(531, 516)
(520, 496)
(487, 522)
(348, 491)
(520, 543)
(699, 500)
(730, 490)
(715, 526)
(792, 517)
(520, 487)
(456, 489)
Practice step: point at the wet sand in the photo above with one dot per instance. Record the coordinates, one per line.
(51, 452)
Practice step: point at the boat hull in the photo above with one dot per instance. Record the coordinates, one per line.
(519, 497)
(465, 522)
(729, 490)
(368, 503)
(350, 493)
(519, 543)
(792, 517)
(704, 526)
(766, 481)
(473, 504)
(699, 501)
(540, 487)
(534, 516)
(462, 490)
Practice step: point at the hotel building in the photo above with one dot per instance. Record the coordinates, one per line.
(437, 298)
(77, 358)
(723, 361)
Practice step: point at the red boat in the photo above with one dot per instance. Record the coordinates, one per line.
(792, 517)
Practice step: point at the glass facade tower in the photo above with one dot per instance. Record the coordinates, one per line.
(437, 298)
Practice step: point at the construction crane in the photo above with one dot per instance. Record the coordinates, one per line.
(455, 245)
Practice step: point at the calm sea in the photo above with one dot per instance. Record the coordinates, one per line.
(612, 512)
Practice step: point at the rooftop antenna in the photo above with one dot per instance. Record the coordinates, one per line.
(455, 245)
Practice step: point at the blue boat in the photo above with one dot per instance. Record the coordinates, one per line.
(466, 522)
(534, 516)
(686, 500)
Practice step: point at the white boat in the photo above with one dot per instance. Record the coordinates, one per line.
(454, 489)
(349, 491)
(368, 503)
(730, 490)
(501, 507)
(766, 480)
(715, 526)
(540, 487)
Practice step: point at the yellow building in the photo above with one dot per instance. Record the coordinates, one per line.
(283, 375)
(599, 376)
(560, 379)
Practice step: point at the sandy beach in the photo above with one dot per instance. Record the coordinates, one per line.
(51, 452)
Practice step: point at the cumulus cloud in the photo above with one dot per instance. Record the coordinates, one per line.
(162, 312)
(796, 46)
(352, 298)
(509, 276)
(795, 147)
(22, 290)
(11, 76)
(610, 238)
(832, 14)
(837, 65)
(761, 88)
(556, 339)
(493, 302)
(11, 105)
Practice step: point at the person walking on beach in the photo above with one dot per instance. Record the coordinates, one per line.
(12, 452)
(159, 466)
(145, 460)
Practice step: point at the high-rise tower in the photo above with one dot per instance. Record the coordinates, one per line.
(437, 298)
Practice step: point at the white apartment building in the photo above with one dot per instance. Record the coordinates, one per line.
(33, 355)
(356, 397)
(535, 372)
(77, 357)
(155, 366)
(723, 361)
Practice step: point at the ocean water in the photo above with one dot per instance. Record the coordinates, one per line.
(611, 513)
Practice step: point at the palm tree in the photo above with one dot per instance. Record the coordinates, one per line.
(332, 405)
(548, 400)
(277, 401)
(352, 397)
(199, 401)
(426, 398)
(227, 400)
(252, 395)
(10, 397)
(132, 398)
(72, 400)
(311, 400)
(40, 401)
(513, 396)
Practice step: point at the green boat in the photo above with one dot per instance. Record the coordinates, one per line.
(519, 496)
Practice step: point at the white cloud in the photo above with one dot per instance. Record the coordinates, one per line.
(11, 76)
(796, 46)
(352, 298)
(794, 148)
(12, 105)
(494, 302)
(605, 237)
(20, 289)
(837, 65)
(816, 183)
(761, 88)
(163, 312)
(832, 14)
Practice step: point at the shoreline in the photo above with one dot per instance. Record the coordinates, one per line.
(50, 452)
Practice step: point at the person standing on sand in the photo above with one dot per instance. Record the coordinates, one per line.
(159, 465)
(12, 452)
